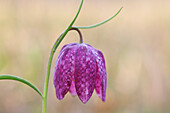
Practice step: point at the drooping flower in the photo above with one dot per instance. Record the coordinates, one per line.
(80, 69)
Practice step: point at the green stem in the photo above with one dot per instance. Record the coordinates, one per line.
(98, 24)
(58, 41)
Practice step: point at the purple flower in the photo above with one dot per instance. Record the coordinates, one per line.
(80, 69)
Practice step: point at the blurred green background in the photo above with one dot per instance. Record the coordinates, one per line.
(136, 46)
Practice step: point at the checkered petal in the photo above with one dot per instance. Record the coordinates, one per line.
(101, 78)
(85, 72)
(64, 70)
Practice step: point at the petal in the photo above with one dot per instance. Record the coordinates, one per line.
(63, 50)
(101, 77)
(73, 89)
(64, 70)
(85, 73)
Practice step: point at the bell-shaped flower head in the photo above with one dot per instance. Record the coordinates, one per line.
(80, 69)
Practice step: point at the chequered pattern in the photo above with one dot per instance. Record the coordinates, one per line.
(80, 69)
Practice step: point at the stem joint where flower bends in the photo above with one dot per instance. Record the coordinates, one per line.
(79, 32)
(72, 28)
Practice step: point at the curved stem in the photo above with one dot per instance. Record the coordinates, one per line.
(98, 24)
(81, 37)
(58, 41)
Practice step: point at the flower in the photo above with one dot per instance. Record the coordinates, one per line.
(80, 69)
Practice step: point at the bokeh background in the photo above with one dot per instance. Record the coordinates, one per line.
(136, 46)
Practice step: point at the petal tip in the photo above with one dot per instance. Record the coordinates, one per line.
(84, 101)
(104, 99)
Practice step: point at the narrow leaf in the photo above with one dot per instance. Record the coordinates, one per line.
(11, 77)
(98, 24)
